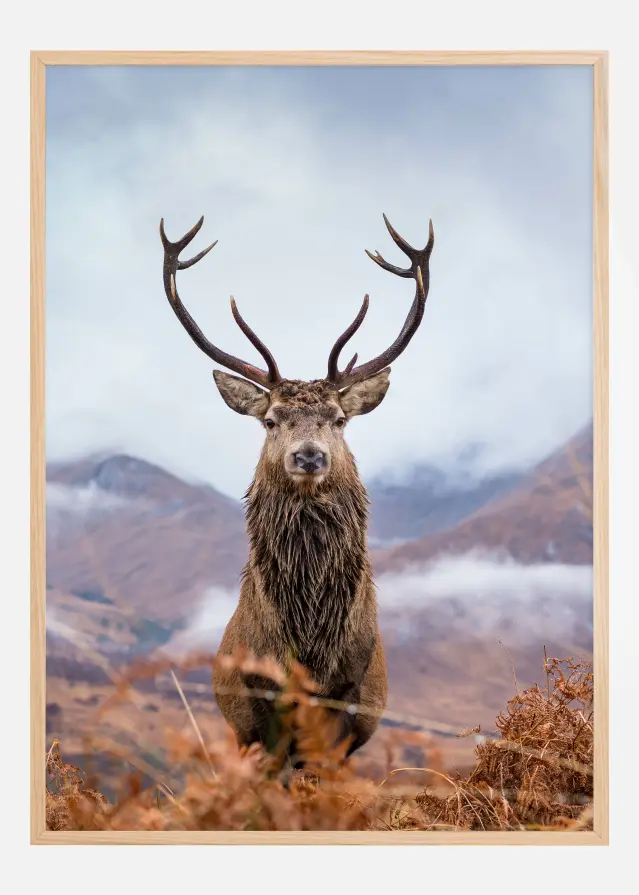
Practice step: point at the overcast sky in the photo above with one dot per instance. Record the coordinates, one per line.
(292, 169)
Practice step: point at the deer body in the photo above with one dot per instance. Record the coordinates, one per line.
(307, 590)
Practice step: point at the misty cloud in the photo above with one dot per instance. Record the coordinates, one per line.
(64, 631)
(205, 629)
(478, 576)
(81, 501)
(292, 170)
(479, 595)
(466, 596)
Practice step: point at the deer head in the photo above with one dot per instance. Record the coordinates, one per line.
(304, 422)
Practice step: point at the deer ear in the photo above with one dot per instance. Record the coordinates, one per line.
(241, 395)
(366, 395)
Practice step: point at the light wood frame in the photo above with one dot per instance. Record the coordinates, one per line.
(598, 61)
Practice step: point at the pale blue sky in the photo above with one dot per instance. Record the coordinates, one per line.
(292, 168)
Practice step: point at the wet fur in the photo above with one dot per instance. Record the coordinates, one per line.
(307, 590)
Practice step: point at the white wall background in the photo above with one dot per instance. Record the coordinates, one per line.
(490, 25)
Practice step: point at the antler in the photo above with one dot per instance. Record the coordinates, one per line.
(418, 271)
(266, 378)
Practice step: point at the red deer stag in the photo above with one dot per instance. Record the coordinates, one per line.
(307, 590)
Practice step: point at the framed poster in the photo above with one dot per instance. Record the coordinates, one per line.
(313, 599)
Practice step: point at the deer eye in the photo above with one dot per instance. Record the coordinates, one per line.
(340, 422)
(270, 424)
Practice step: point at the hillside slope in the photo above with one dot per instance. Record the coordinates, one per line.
(125, 531)
(546, 517)
(428, 501)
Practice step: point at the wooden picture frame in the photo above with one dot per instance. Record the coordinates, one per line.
(598, 62)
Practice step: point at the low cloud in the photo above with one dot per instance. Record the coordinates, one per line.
(478, 577)
(471, 595)
(479, 595)
(207, 626)
(81, 501)
(62, 631)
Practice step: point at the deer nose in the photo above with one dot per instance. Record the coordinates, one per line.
(310, 459)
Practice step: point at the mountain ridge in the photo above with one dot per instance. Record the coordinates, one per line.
(545, 517)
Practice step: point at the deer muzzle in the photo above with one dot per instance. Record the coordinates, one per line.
(310, 459)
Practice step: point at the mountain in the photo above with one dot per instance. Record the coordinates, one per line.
(544, 517)
(124, 531)
(428, 501)
(132, 478)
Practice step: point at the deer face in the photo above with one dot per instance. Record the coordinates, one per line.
(304, 422)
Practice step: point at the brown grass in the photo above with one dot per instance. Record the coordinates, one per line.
(538, 775)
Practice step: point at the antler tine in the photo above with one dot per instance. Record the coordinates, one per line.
(334, 374)
(171, 265)
(419, 271)
(273, 372)
(174, 248)
(378, 259)
(349, 366)
(399, 241)
(183, 265)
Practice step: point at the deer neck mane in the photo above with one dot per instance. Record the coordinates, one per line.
(309, 550)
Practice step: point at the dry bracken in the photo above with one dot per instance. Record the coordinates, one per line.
(538, 775)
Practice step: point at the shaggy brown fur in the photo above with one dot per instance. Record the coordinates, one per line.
(307, 591)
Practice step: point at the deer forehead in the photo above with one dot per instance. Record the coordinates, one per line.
(297, 402)
(297, 393)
